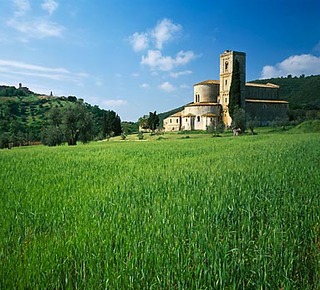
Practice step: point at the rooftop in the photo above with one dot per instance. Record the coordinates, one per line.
(202, 104)
(268, 85)
(208, 82)
(266, 101)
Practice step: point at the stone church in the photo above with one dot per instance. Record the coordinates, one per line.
(211, 100)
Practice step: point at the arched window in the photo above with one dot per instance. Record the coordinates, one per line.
(198, 118)
(226, 66)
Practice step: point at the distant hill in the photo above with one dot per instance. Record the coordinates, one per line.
(24, 114)
(301, 92)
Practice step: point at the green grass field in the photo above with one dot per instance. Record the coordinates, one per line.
(192, 213)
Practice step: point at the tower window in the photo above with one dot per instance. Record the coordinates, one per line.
(198, 118)
(226, 66)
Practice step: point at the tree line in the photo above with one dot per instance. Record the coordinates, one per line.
(27, 120)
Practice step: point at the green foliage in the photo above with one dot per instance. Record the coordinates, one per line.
(189, 215)
(130, 127)
(28, 117)
(311, 126)
(252, 123)
(140, 135)
(216, 128)
(111, 123)
(235, 90)
(5, 140)
(153, 121)
(53, 136)
(239, 119)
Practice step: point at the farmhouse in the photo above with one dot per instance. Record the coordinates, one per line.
(211, 99)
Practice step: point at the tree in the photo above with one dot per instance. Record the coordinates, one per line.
(143, 122)
(153, 121)
(5, 140)
(77, 124)
(52, 136)
(111, 123)
(239, 119)
(235, 90)
(55, 116)
(252, 122)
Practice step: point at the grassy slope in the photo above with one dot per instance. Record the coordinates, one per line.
(199, 213)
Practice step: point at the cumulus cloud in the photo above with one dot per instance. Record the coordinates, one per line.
(156, 61)
(50, 6)
(295, 65)
(139, 41)
(164, 31)
(167, 87)
(154, 40)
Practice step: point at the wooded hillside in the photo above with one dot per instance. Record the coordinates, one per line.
(25, 118)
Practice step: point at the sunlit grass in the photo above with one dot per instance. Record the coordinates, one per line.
(197, 213)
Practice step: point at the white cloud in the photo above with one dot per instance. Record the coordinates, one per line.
(30, 26)
(144, 86)
(139, 41)
(21, 65)
(37, 29)
(164, 31)
(17, 69)
(21, 7)
(168, 87)
(156, 61)
(50, 6)
(115, 103)
(295, 65)
(180, 73)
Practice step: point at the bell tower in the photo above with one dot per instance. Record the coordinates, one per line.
(227, 65)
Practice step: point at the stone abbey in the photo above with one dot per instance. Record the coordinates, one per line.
(211, 99)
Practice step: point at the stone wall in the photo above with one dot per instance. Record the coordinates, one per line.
(206, 92)
(266, 111)
(262, 92)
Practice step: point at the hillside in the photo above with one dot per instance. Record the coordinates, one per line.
(24, 115)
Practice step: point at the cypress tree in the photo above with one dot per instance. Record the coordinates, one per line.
(235, 89)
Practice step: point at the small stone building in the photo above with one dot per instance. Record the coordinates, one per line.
(211, 100)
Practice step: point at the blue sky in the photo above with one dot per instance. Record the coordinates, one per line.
(137, 56)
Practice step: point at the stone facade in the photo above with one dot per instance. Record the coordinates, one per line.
(211, 99)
